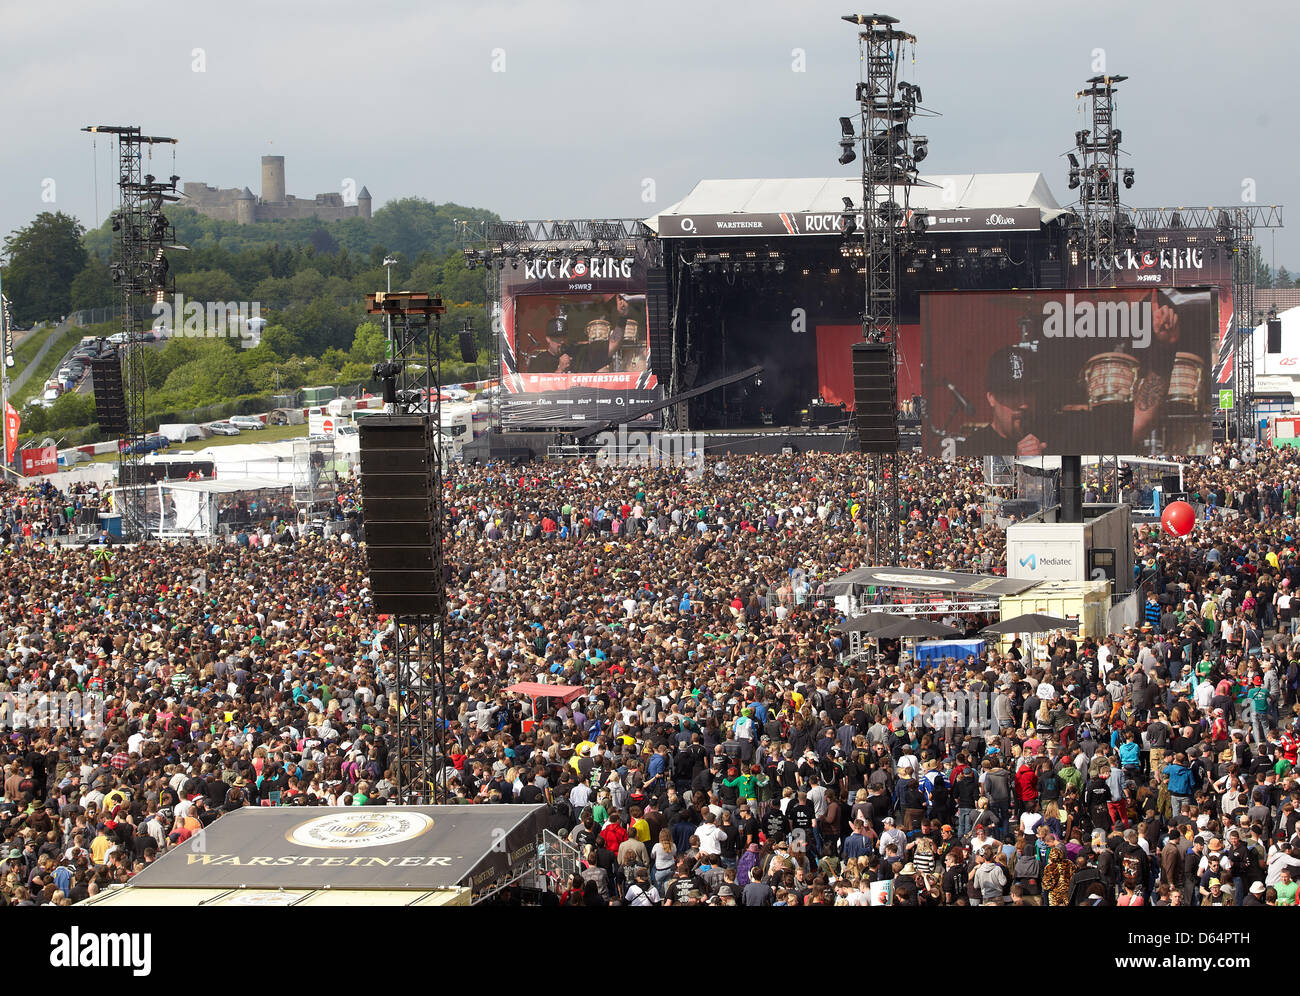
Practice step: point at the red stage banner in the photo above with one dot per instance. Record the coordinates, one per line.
(835, 364)
(13, 422)
(44, 460)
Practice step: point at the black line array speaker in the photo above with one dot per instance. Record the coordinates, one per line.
(1275, 335)
(400, 513)
(468, 347)
(658, 308)
(110, 398)
(875, 397)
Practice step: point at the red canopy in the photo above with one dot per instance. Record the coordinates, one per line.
(536, 690)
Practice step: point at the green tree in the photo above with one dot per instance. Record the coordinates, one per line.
(70, 411)
(206, 286)
(42, 261)
(369, 345)
(460, 284)
(280, 340)
(92, 288)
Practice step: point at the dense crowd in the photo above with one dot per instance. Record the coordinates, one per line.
(724, 749)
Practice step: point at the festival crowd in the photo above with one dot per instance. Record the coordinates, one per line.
(724, 749)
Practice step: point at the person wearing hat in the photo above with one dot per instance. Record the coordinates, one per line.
(553, 359)
(1011, 391)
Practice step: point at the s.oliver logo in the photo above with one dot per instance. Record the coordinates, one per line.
(364, 829)
(999, 219)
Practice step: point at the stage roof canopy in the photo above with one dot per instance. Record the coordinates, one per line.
(385, 848)
(956, 202)
(909, 577)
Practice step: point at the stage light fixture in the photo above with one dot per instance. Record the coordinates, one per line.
(846, 127)
(1128, 178)
(847, 155)
(1116, 137)
(920, 149)
(1074, 179)
(1074, 160)
(1081, 138)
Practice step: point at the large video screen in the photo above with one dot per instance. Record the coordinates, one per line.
(1032, 373)
(575, 345)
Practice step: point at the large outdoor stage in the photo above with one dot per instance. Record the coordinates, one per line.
(598, 319)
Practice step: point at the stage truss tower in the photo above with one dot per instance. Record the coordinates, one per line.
(887, 224)
(415, 372)
(1095, 172)
(140, 270)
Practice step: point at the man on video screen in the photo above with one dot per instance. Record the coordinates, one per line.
(1011, 386)
(553, 359)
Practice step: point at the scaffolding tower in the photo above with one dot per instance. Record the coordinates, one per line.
(890, 156)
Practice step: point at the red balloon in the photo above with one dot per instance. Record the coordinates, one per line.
(1178, 518)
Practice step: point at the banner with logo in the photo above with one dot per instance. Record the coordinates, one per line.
(575, 341)
(1029, 373)
(13, 422)
(43, 460)
(718, 226)
(1208, 264)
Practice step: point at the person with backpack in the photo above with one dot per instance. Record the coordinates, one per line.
(1028, 870)
(938, 799)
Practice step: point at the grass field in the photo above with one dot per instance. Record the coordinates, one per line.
(34, 386)
(271, 434)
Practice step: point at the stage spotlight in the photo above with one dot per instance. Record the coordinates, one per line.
(1074, 160)
(1081, 138)
(1128, 178)
(1074, 179)
(920, 149)
(862, 93)
(846, 127)
(1116, 137)
(848, 224)
(847, 155)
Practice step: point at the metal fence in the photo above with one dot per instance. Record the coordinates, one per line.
(93, 316)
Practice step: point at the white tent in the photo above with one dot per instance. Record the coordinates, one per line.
(262, 460)
(1278, 373)
(825, 195)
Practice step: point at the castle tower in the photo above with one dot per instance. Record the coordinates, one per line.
(363, 203)
(245, 207)
(272, 179)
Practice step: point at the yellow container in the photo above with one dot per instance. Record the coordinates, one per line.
(1087, 601)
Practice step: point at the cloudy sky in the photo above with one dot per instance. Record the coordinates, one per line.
(570, 108)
